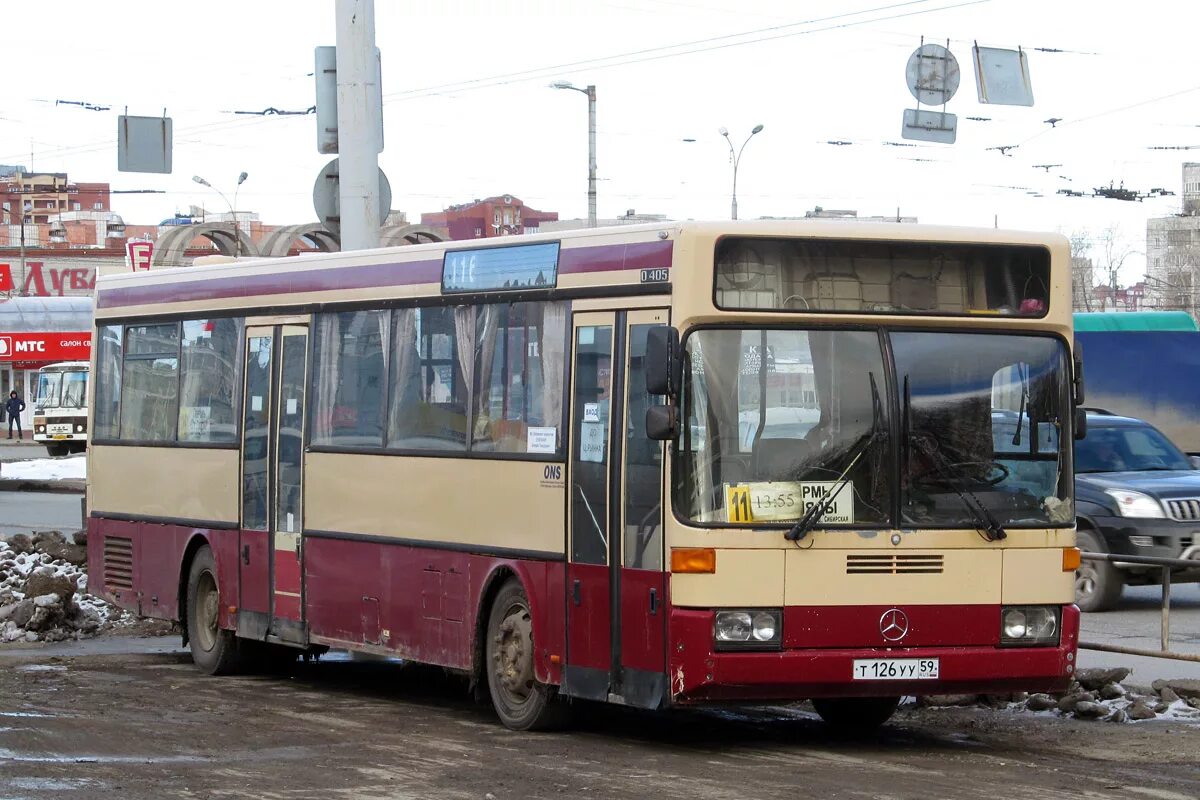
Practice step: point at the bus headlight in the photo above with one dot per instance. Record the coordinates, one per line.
(1029, 625)
(751, 628)
(79, 429)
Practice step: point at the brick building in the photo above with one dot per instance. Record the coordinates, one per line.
(503, 215)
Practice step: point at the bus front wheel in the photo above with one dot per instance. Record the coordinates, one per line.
(214, 651)
(855, 715)
(521, 702)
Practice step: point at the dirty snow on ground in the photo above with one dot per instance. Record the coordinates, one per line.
(44, 598)
(46, 469)
(1096, 694)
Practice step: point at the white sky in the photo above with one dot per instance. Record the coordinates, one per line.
(455, 131)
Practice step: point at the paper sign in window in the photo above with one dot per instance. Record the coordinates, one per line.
(591, 442)
(541, 440)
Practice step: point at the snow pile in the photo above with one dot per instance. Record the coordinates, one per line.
(1098, 694)
(43, 597)
(46, 469)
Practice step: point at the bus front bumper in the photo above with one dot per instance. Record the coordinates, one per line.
(699, 674)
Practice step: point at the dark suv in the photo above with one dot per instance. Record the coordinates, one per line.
(1135, 494)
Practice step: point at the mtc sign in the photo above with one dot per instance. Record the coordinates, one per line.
(46, 347)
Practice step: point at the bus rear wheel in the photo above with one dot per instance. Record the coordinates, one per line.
(58, 449)
(855, 715)
(521, 702)
(214, 651)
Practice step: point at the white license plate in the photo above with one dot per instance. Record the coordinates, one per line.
(895, 669)
(53, 429)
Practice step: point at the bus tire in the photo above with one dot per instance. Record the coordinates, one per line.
(855, 716)
(521, 702)
(1098, 584)
(56, 450)
(214, 651)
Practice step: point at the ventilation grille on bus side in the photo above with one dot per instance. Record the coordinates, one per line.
(893, 564)
(118, 563)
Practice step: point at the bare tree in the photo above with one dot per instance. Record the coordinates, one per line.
(1114, 252)
(1083, 280)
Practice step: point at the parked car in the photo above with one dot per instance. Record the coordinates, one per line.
(1136, 493)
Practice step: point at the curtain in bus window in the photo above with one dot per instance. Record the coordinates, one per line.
(350, 396)
(210, 372)
(554, 335)
(429, 409)
(149, 391)
(325, 373)
(488, 398)
(464, 338)
(511, 412)
(107, 382)
(405, 376)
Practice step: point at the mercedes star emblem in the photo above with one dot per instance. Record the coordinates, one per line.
(893, 625)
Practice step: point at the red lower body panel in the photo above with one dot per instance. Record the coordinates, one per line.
(699, 673)
(139, 566)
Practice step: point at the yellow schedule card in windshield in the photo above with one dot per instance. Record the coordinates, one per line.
(785, 501)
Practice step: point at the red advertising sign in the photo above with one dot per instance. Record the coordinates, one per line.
(6, 283)
(46, 347)
(139, 254)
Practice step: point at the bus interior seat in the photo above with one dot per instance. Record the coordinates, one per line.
(780, 459)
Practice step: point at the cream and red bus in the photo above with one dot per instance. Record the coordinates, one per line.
(662, 465)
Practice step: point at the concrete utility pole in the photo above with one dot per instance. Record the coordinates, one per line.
(358, 160)
(590, 92)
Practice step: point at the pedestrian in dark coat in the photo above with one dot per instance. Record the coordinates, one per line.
(14, 406)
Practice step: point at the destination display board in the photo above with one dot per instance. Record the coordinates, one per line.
(523, 266)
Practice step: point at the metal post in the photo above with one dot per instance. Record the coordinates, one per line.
(358, 160)
(591, 96)
(735, 158)
(1166, 606)
(23, 278)
(733, 211)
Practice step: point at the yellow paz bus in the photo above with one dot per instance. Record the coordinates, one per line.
(663, 465)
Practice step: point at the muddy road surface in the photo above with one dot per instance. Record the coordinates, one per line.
(136, 721)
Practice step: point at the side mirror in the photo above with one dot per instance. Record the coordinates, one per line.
(664, 362)
(1077, 379)
(662, 423)
(1080, 424)
(1195, 461)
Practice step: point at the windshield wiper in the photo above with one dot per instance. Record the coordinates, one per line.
(988, 525)
(806, 522)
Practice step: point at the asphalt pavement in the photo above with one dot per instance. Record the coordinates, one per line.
(22, 512)
(1136, 622)
(20, 450)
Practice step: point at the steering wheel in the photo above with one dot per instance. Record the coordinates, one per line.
(1002, 472)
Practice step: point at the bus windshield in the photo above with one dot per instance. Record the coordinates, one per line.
(74, 389)
(49, 390)
(62, 389)
(778, 420)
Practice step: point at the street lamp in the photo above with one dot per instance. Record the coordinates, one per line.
(590, 91)
(237, 239)
(735, 157)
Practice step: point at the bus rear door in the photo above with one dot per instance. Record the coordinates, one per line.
(271, 561)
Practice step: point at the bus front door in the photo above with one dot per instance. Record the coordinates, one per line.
(616, 617)
(271, 587)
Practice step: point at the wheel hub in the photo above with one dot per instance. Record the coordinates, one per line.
(513, 654)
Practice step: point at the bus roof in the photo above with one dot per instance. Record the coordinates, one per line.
(587, 259)
(65, 366)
